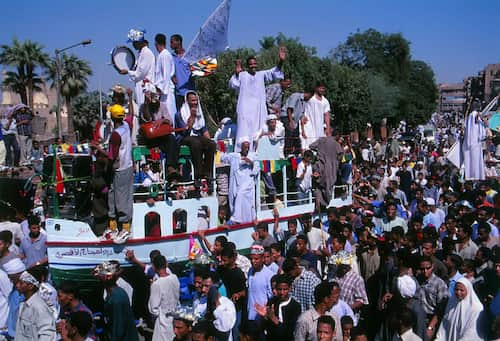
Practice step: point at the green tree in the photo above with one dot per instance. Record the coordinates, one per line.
(387, 54)
(25, 57)
(384, 98)
(420, 93)
(86, 108)
(74, 79)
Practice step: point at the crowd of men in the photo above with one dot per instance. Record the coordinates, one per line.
(415, 257)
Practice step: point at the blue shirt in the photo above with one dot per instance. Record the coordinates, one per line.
(259, 290)
(183, 76)
(34, 251)
(15, 299)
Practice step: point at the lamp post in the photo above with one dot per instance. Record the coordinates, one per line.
(58, 82)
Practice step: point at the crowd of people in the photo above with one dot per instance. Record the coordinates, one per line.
(415, 257)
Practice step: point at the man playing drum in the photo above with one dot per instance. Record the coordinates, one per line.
(145, 67)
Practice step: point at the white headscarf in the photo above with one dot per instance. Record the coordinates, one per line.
(199, 122)
(460, 320)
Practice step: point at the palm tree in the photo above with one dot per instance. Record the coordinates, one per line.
(74, 79)
(25, 57)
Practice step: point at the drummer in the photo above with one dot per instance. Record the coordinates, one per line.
(144, 68)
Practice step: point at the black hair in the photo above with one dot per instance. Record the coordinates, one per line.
(466, 228)
(283, 279)
(322, 291)
(346, 320)
(6, 236)
(431, 241)
(289, 264)
(33, 220)
(327, 319)
(70, 287)
(203, 327)
(308, 153)
(161, 39)
(276, 247)
(160, 262)
(292, 221)
(301, 237)
(176, 37)
(82, 321)
(340, 238)
(250, 58)
(262, 226)
(153, 254)
(484, 225)
(406, 317)
(228, 252)
(425, 259)
(221, 239)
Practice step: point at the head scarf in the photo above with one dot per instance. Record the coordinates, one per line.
(256, 249)
(14, 266)
(107, 269)
(199, 121)
(461, 317)
(135, 35)
(26, 277)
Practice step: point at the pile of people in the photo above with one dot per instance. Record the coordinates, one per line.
(415, 257)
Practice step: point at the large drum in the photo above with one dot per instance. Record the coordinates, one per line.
(122, 58)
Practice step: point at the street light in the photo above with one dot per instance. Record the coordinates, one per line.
(58, 82)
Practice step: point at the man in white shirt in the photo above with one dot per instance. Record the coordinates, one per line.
(144, 71)
(165, 70)
(317, 116)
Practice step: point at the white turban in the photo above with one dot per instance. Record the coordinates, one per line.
(406, 286)
(14, 266)
(26, 277)
(243, 139)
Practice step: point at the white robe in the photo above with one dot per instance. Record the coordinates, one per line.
(165, 69)
(461, 319)
(163, 301)
(315, 127)
(474, 135)
(144, 69)
(251, 108)
(242, 186)
(5, 290)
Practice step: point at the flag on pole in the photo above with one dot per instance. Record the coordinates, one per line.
(212, 37)
(59, 177)
(194, 248)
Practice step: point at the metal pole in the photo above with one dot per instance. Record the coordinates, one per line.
(58, 90)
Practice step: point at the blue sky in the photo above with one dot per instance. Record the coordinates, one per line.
(457, 38)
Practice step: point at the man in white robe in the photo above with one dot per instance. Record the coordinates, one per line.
(251, 85)
(316, 118)
(144, 72)
(474, 135)
(165, 70)
(244, 168)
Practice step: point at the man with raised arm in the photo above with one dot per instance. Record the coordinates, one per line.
(251, 87)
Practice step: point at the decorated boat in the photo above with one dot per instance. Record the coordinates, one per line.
(74, 248)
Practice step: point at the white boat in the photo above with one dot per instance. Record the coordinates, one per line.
(73, 246)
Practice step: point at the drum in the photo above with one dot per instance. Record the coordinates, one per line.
(150, 133)
(122, 58)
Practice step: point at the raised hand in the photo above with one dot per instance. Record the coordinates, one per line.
(282, 53)
(239, 68)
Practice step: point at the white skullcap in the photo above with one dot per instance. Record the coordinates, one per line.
(406, 286)
(272, 117)
(14, 266)
(243, 139)
(430, 201)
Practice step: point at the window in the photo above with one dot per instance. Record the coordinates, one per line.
(152, 225)
(179, 221)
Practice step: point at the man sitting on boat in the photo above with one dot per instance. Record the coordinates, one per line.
(196, 135)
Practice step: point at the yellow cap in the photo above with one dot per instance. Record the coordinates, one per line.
(117, 111)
